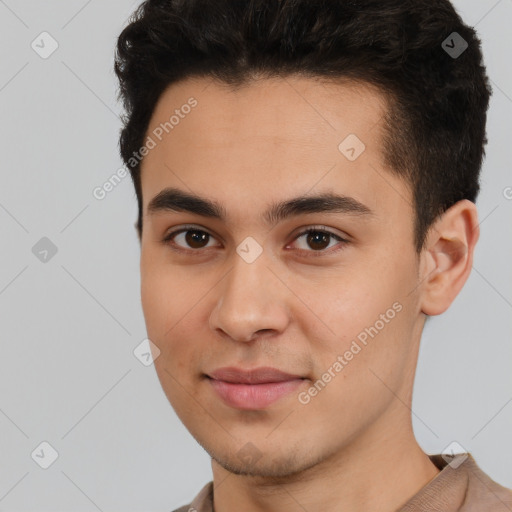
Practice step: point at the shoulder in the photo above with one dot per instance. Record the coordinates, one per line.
(483, 493)
(460, 486)
(203, 502)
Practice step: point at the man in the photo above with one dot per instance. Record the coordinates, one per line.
(306, 174)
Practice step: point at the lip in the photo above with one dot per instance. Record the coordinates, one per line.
(261, 375)
(252, 389)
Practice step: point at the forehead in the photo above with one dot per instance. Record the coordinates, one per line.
(272, 136)
(280, 111)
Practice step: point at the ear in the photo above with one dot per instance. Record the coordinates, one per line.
(447, 257)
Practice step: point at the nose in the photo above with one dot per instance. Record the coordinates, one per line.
(251, 301)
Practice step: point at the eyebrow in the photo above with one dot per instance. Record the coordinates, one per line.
(176, 200)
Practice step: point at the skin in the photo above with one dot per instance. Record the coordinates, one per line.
(296, 307)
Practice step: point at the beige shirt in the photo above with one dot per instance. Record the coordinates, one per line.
(461, 486)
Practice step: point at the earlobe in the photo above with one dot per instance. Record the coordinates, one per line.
(448, 256)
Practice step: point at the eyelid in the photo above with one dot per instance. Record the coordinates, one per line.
(320, 227)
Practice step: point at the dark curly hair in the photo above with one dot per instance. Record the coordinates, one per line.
(434, 128)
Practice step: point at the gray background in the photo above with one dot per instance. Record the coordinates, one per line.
(69, 326)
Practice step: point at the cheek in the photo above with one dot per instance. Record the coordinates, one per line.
(170, 305)
(366, 314)
(169, 326)
(155, 303)
(344, 304)
(165, 297)
(358, 374)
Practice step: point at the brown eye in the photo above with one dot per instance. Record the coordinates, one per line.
(188, 238)
(318, 240)
(196, 239)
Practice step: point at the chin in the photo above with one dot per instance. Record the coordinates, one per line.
(280, 467)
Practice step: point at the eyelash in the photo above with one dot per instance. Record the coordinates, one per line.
(314, 229)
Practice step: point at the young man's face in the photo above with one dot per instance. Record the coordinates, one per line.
(303, 304)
